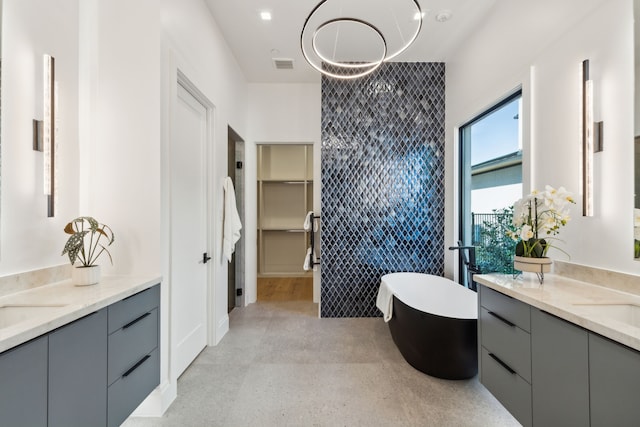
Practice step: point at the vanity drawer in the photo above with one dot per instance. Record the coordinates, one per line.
(131, 343)
(510, 343)
(131, 388)
(507, 308)
(131, 308)
(508, 387)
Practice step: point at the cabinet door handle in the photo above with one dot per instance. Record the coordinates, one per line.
(502, 319)
(133, 322)
(504, 365)
(136, 366)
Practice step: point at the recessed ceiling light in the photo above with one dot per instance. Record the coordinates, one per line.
(265, 15)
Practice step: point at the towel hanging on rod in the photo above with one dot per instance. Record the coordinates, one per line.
(308, 220)
(311, 225)
(231, 221)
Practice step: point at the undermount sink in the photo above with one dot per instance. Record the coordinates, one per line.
(625, 313)
(11, 314)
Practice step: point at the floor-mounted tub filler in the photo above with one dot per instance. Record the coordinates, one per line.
(433, 321)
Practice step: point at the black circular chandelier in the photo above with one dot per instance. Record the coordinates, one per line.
(340, 45)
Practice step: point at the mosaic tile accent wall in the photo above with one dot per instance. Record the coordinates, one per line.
(382, 182)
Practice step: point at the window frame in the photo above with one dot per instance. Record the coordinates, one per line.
(464, 200)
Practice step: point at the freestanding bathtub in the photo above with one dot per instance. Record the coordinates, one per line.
(434, 324)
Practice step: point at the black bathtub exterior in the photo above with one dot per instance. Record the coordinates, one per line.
(439, 346)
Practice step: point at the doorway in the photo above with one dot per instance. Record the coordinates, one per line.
(190, 224)
(285, 196)
(235, 268)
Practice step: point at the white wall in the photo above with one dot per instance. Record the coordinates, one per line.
(546, 63)
(28, 239)
(105, 146)
(278, 113)
(120, 147)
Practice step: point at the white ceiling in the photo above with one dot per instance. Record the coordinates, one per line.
(255, 42)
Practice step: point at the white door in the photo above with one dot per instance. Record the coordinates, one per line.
(189, 275)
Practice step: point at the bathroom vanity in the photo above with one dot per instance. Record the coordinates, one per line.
(562, 353)
(78, 356)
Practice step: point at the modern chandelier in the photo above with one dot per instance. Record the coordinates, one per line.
(349, 39)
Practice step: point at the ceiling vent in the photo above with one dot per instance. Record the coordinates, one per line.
(283, 63)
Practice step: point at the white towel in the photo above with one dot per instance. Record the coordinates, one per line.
(306, 266)
(231, 225)
(310, 261)
(384, 301)
(307, 221)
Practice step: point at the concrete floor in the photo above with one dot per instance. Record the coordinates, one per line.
(279, 365)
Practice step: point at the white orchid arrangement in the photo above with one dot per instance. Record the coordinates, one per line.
(537, 217)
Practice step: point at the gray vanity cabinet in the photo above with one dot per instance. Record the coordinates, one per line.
(614, 374)
(505, 351)
(560, 371)
(77, 381)
(534, 363)
(134, 362)
(91, 372)
(23, 384)
(576, 378)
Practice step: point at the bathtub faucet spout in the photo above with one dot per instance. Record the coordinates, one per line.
(469, 263)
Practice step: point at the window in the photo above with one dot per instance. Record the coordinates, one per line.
(490, 181)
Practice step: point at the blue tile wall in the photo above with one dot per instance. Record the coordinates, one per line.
(382, 182)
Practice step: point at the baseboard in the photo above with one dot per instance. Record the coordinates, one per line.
(222, 329)
(158, 401)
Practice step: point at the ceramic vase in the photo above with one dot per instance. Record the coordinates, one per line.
(532, 265)
(84, 276)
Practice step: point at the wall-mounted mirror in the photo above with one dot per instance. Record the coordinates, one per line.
(636, 210)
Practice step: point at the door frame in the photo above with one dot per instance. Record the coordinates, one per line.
(179, 77)
(252, 287)
(463, 198)
(239, 186)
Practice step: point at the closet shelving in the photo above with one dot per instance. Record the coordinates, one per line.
(285, 195)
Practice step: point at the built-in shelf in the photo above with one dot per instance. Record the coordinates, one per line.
(285, 195)
(286, 162)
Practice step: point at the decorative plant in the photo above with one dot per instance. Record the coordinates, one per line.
(538, 217)
(86, 241)
(494, 249)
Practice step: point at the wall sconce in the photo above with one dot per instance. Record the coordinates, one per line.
(45, 132)
(591, 140)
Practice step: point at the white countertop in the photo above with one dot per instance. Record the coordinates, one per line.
(575, 301)
(60, 303)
